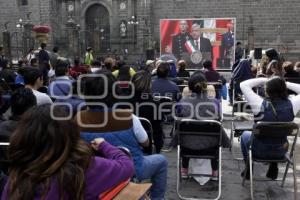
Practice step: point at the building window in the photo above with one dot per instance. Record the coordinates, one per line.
(24, 2)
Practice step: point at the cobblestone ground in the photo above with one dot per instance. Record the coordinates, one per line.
(232, 188)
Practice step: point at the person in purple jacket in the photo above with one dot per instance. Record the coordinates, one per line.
(50, 161)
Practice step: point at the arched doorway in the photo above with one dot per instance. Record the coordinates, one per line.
(97, 33)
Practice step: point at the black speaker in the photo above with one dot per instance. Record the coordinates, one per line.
(150, 54)
(257, 53)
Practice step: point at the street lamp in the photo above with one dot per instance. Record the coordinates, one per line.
(133, 21)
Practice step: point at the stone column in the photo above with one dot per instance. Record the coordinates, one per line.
(72, 40)
(251, 38)
(7, 44)
(28, 40)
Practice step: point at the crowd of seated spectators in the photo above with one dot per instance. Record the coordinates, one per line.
(62, 121)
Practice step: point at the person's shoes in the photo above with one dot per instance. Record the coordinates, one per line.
(184, 172)
(247, 174)
(272, 171)
(215, 175)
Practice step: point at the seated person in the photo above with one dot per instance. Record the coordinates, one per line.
(33, 79)
(275, 107)
(242, 72)
(120, 128)
(21, 100)
(123, 71)
(182, 72)
(162, 86)
(49, 160)
(61, 85)
(78, 69)
(207, 109)
(62, 89)
(211, 75)
(288, 68)
(145, 106)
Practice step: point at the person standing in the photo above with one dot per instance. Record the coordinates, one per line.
(227, 43)
(178, 40)
(44, 62)
(199, 47)
(89, 56)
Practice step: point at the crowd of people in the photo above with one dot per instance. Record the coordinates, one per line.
(68, 121)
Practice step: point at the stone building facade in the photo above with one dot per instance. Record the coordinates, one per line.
(131, 27)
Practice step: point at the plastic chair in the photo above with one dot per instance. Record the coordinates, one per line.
(189, 133)
(273, 130)
(148, 128)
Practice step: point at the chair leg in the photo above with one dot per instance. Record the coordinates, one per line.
(245, 172)
(178, 170)
(251, 174)
(295, 179)
(285, 173)
(231, 138)
(220, 173)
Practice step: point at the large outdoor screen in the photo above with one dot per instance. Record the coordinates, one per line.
(196, 40)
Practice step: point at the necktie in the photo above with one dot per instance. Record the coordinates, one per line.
(197, 45)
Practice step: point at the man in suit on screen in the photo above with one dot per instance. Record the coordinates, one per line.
(199, 47)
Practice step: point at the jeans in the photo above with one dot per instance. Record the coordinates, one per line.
(261, 149)
(155, 168)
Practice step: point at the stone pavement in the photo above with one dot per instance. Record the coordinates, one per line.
(231, 179)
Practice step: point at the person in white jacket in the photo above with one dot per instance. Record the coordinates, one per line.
(277, 106)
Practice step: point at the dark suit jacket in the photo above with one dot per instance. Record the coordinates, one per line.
(178, 47)
(205, 48)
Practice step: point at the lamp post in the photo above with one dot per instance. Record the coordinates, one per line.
(6, 41)
(19, 29)
(134, 22)
(28, 41)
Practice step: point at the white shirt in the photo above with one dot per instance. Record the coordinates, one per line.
(198, 40)
(41, 98)
(255, 101)
(139, 130)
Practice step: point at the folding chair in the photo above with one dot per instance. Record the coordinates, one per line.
(148, 128)
(273, 130)
(189, 133)
(240, 122)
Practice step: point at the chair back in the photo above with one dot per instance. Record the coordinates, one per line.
(275, 129)
(148, 128)
(218, 88)
(191, 131)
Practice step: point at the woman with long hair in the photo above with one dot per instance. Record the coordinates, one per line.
(276, 106)
(198, 105)
(48, 160)
(145, 106)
